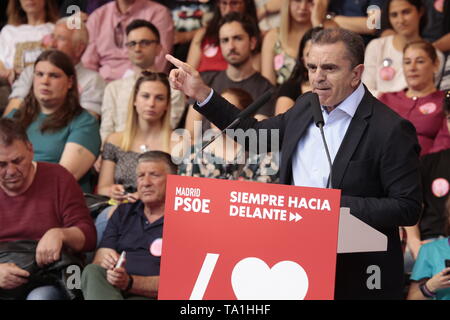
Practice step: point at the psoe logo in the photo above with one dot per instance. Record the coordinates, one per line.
(188, 200)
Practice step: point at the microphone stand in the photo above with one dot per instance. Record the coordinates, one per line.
(330, 177)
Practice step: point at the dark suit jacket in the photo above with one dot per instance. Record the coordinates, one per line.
(377, 170)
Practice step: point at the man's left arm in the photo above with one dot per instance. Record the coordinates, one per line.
(146, 286)
(400, 199)
(50, 245)
(76, 230)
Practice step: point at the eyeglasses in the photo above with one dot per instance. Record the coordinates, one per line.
(143, 43)
(232, 3)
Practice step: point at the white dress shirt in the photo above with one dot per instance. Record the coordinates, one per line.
(310, 166)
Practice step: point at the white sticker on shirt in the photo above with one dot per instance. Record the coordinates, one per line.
(440, 187)
(156, 247)
(428, 108)
(210, 50)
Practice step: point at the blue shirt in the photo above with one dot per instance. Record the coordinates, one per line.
(129, 230)
(310, 166)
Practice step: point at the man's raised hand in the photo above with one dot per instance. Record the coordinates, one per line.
(188, 80)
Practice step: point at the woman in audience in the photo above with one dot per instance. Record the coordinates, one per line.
(225, 158)
(281, 44)
(20, 40)
(431, 273)
(421, 102)
(60, 130)
(435, 177)
(147, 128)
(383, 59)
(298, 82)
(204, 52)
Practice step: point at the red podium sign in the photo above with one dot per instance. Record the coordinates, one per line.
(247, 240)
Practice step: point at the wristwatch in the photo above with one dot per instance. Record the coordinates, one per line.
(130, 283)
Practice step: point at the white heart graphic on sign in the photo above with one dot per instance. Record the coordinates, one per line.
(252, 279)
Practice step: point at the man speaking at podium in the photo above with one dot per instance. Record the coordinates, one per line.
(374, 154)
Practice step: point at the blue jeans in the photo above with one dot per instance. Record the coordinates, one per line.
(100, 224)
(46, 293)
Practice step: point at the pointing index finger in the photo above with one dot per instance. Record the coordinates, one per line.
(179, 64)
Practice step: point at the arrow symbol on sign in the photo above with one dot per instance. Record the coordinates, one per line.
(295, 216)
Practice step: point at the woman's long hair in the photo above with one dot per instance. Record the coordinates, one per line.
(132, 123)
(17, 16)
(300, 71)
(285, 22)
(70, 108)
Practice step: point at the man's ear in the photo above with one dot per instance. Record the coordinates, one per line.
(253, 42)
(357, 75)
(29, 146)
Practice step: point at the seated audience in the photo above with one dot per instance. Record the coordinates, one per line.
(280, 45)
(135, 228)
(20, 39)
(188, 17)
(205, 53)
(225, 158)
(435, 177)
(238, 37)
(298, 82)
(147, 128)
(60, 130)
(106, 52)
(73, 42)
(421, 102)
(143, 45)
(38, 201)
(383, 70)
(431, 273)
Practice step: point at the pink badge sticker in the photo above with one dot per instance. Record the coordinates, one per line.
(156, 247)
(428, 108)
(278, 61)
(440, 187)
(210, 50)
(387, 73)
(439, 5)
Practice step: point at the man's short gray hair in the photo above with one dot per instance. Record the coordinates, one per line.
(80, 33)
(353, 42)
(159, 156)
(10, 131)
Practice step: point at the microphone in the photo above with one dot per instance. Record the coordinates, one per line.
(316, 110)
(243, 114)
(318, 120)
